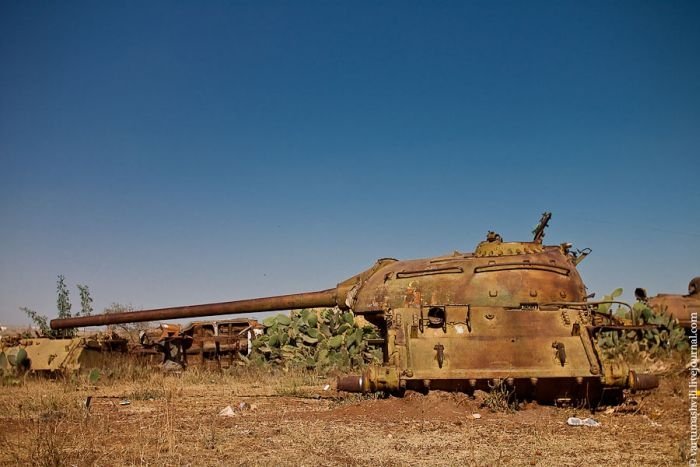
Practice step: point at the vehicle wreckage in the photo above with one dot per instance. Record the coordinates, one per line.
(219, 340)
(56, 356)
(509, 313)
(684, 308)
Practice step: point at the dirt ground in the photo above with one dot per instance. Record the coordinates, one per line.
(146, 417)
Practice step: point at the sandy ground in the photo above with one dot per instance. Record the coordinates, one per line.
(289, 419)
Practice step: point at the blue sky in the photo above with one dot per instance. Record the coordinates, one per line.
(172, 153)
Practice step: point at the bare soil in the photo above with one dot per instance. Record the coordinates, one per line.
(289, 419)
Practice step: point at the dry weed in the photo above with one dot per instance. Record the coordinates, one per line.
(500, 398)
(172, 419)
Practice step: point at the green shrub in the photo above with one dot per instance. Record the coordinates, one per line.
(318, 339)
(661, 336)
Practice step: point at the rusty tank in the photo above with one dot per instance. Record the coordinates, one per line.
(684, 308)
(509, 314)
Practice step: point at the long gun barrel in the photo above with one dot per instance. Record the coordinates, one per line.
(323, 298)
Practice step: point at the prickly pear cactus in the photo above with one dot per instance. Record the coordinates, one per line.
(21, 358)
(321, 339)
(13, 362)
(665, 337)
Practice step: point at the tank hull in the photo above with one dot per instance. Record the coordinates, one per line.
(547, 355)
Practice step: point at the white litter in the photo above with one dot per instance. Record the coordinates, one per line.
(227, 412)
(476, 416)
(575, 421)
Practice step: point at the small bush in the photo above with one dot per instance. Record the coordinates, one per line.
(500, 398)
(316, 339)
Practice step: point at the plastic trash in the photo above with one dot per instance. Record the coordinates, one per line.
(125, 402)
(227, 412)
(575, 421)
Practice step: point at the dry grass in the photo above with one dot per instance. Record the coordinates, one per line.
(172, 419)
(500, 399)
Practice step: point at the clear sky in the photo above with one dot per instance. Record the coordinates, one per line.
(169, 153)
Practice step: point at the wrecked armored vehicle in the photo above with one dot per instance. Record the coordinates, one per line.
(509, 313)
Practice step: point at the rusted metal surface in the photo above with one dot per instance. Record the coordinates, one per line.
(512, 313)
(222, 338)
(282, 302)
(202, 341)
(640, 382)
(351, 383)
(681, 307)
